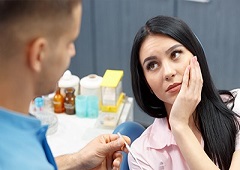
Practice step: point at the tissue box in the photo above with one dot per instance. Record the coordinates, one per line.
(111, 91)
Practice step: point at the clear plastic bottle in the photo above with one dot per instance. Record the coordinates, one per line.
(58, 102)
(69, 102)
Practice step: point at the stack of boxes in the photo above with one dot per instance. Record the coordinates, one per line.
(111, 98)
(111, 91)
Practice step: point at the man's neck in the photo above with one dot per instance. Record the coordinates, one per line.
(15, 95)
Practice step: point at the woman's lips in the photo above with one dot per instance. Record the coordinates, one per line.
(174, 87)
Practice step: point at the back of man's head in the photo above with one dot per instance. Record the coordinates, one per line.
(21, 19)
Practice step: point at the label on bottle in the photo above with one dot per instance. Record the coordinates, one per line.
(68, 106)
(56, 103)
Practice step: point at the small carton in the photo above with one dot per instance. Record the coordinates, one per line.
(111, 91)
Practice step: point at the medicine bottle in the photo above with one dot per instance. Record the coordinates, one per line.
(58, 102)
(69, 102)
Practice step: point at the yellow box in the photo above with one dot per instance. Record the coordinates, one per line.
(111, 90)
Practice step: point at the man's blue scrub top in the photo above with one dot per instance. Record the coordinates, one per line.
(23, 143)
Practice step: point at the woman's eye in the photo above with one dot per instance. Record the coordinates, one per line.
(176, 54)
(152, 66)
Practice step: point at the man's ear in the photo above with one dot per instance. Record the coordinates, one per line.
(36, 52)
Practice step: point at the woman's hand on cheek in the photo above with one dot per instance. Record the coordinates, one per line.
(189, 96)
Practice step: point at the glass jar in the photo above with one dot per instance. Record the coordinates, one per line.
(58, 102)
(69, 102)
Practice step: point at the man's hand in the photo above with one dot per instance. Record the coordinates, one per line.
(102, 153)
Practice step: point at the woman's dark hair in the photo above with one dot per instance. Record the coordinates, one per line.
(217, 124)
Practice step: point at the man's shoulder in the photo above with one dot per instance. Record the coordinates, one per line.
(21, 143)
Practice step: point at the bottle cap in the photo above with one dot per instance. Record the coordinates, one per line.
(39, 102)
(69, 90)
(91, 81)
(68, 80)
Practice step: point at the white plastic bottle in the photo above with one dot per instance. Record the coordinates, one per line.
(69, 80)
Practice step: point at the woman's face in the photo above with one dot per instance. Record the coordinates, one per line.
(164, 61)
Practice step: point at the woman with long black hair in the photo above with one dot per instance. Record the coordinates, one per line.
(193, 128)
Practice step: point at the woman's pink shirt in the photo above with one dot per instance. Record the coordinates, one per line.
(156, 148)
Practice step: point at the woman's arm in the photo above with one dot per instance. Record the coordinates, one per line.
(191, 149)
(180, 115)
(193, 153)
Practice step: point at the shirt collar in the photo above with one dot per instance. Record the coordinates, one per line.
(20, 120)
(160, 135)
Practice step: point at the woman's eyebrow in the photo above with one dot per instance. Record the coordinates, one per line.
(167, 52)
(149, 58)
(172, 48)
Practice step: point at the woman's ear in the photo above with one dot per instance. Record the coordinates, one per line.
(36, 53)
